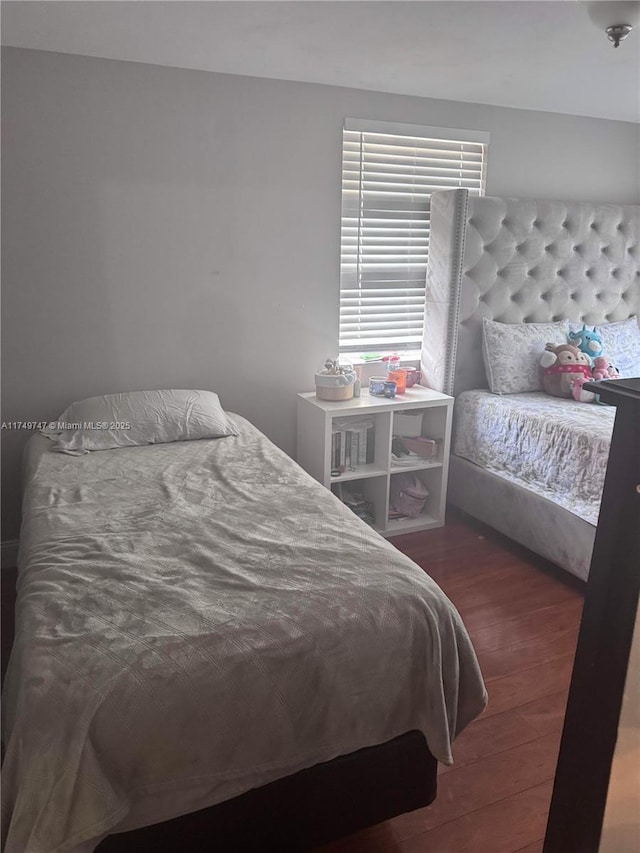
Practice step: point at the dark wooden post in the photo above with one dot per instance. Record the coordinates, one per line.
(604, 642)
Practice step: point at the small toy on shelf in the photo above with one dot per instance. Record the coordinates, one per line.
(392, 361)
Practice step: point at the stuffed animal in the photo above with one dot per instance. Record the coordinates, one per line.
(565, 370)
(579, 394)
(587, 341)
(603, 369)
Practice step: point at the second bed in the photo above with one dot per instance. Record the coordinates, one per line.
(201, 618)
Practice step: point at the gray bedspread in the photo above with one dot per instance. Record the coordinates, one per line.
(201, 618)
(557, 448)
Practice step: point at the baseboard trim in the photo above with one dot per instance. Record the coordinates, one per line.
(9, 554)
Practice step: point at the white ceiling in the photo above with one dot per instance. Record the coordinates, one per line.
(540, 55)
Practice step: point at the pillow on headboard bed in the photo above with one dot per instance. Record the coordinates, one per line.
(621, 344)
(139, 417)
(512, 351)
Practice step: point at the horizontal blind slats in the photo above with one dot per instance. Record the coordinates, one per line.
(410, 278)
(387, 181)
(405, 146)
(392, 311)
(373, 339)
(408, 164)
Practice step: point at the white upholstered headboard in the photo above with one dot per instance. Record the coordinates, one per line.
(521, 261)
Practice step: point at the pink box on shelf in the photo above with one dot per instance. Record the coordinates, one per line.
(427, 447)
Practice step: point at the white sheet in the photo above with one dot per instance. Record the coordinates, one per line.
(200, 618)
(558, 448)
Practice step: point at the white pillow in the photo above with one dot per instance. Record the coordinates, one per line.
(512, 351)
(620, 343)
(139, 417)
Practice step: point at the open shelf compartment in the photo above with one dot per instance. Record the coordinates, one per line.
(351, 432)
(426, 423)
(375, 490)
(432, 514)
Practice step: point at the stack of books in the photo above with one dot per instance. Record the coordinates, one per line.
(354, 498)
(352, 442)
(394, 515)
(410, 451)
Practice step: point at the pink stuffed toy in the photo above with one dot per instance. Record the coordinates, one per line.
(603, 369)
(578, 392)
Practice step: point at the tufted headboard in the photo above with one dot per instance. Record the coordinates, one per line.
(521, 261)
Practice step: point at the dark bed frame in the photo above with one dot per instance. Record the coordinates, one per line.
(590, 732)
(302, 811)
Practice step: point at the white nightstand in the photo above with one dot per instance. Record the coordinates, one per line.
(315, 428)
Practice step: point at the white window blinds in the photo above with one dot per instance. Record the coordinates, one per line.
(388, 174)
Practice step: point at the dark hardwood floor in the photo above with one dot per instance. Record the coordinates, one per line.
(523, 616)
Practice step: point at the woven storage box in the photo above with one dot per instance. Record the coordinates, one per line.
(334, 387)
(338, 392)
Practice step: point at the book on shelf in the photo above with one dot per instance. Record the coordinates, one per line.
(362, 445)
(353, 448)
(354, 499)
(407, 461)
(352, 442)
(370, 442)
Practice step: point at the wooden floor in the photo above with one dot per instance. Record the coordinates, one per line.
(523, 617)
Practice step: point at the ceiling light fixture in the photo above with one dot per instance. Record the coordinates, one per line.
(617, 19)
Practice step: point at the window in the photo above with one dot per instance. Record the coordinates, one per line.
(388, 174)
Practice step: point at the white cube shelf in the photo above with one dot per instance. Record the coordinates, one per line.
(315, 427)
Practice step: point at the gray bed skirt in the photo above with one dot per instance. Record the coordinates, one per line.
(520, 514)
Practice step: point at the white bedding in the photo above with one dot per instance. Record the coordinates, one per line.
(558, 448)
(200, 618)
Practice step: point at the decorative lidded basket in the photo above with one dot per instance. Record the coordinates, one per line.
(338, 392)
(335, 386)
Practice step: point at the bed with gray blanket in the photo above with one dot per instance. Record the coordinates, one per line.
(522, 261)
(198, 619)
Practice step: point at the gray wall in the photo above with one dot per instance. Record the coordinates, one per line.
(170, 228)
